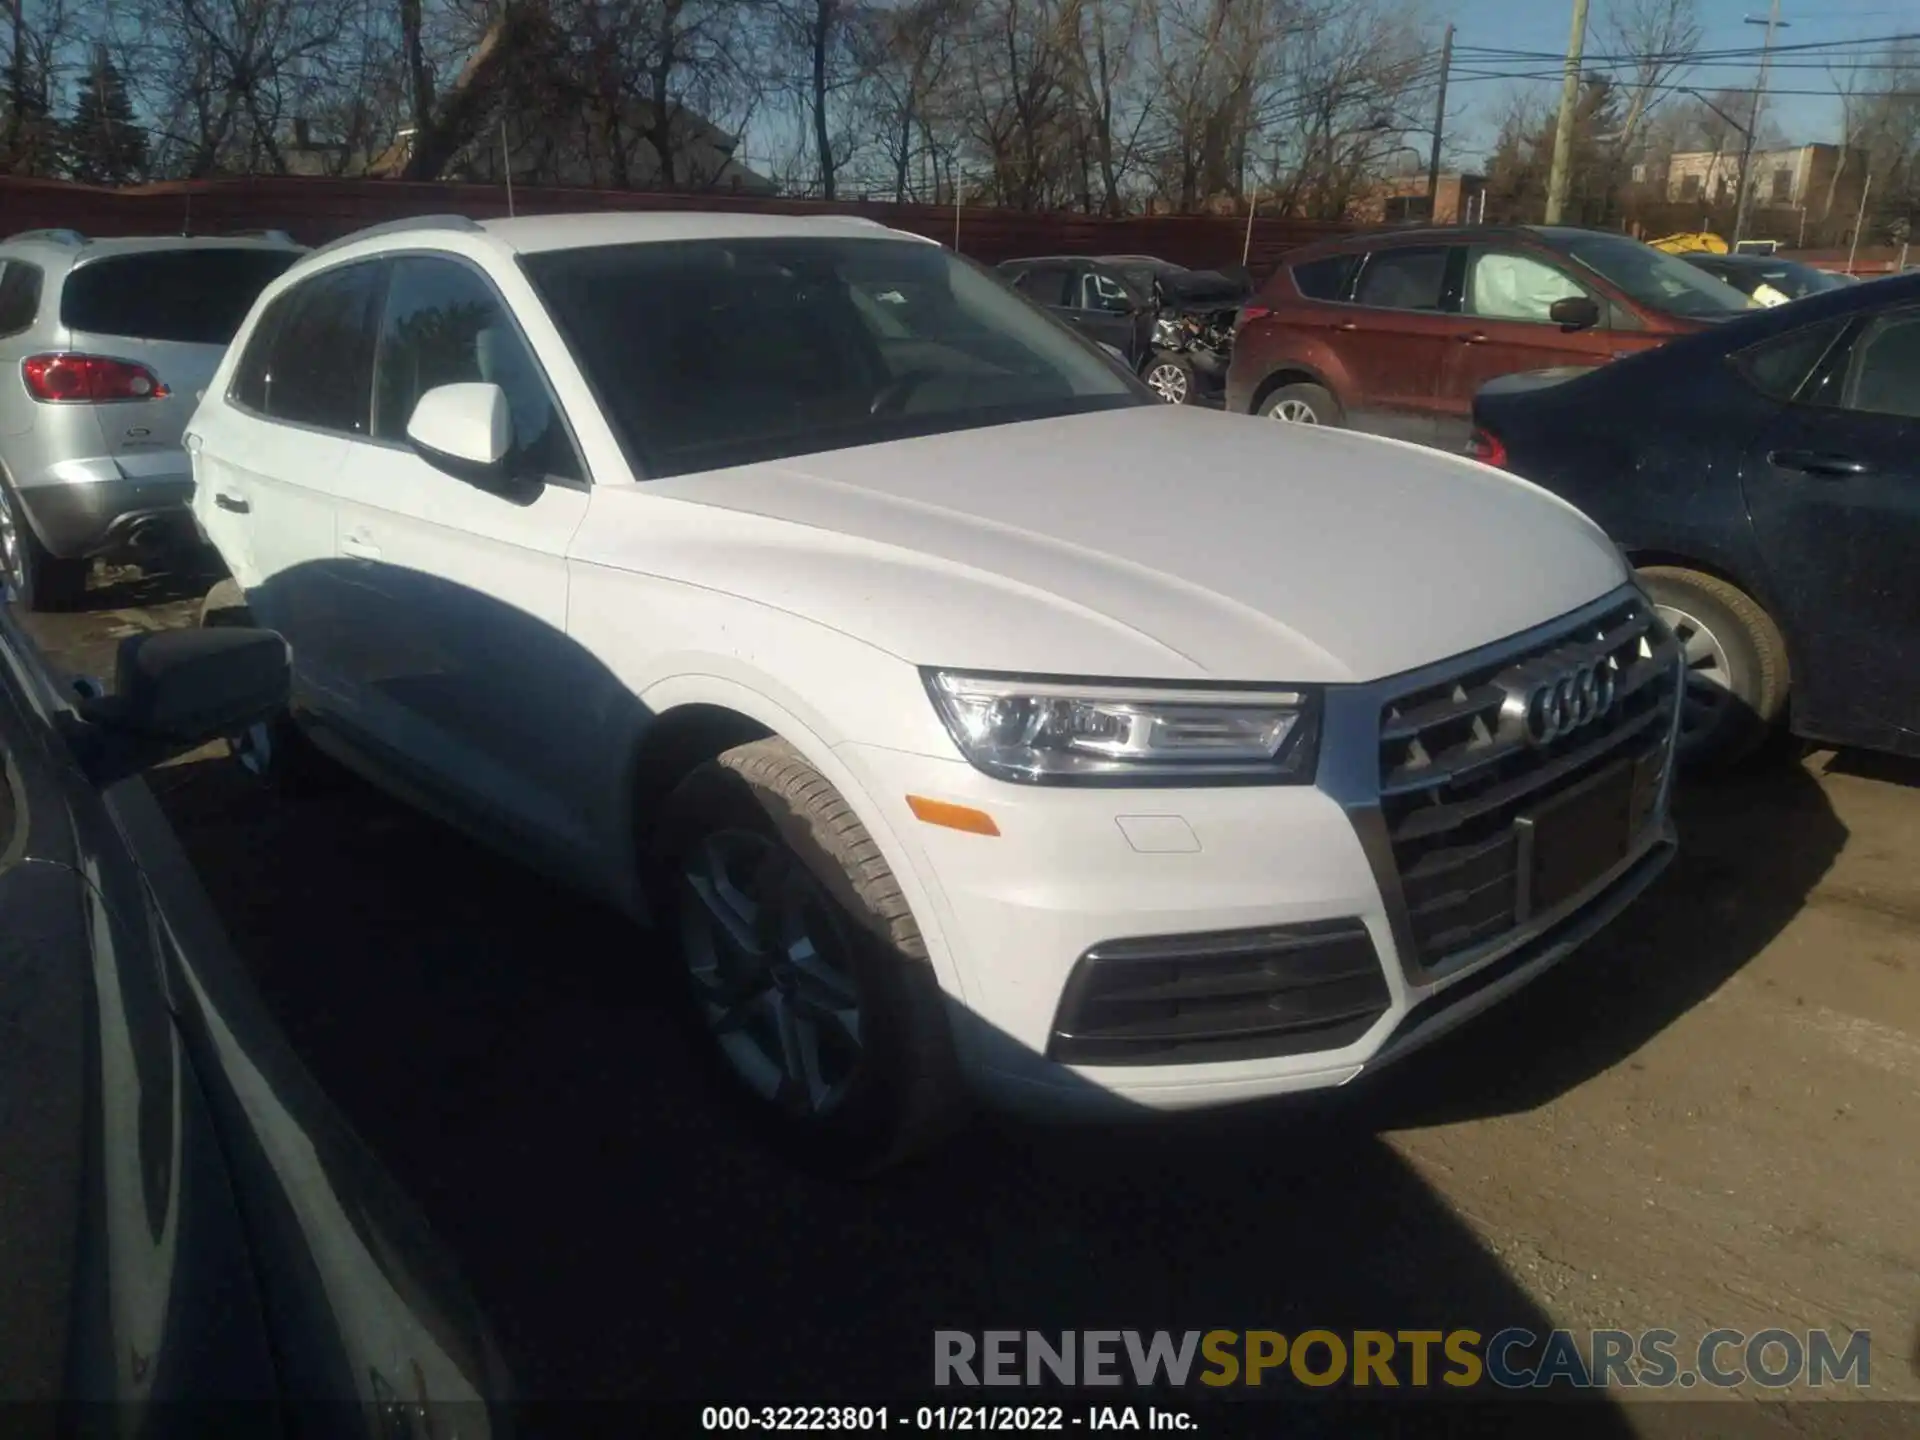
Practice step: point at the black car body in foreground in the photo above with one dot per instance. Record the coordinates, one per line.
(1765, 476)
(191, 1240)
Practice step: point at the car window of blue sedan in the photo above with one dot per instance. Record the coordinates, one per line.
(1780, 366)
(1885, 375)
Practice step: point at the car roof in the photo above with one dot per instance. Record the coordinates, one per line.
(1750, 262)
(1549, 235)
(57, 246)
(532, 234)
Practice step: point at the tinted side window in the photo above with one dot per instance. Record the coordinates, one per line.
(19, 295)
(322, 364)
(1326, 278)
(1044, 285)
(445, 325)
(1781, 365)
(1408, 279)
(195, 296)
(1885, 374)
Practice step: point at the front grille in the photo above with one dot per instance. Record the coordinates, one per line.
(1461, 778)
(1232, 995)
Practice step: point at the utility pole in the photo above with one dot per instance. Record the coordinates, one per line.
(1773, 22)
(1563, 132)
(1439, 125)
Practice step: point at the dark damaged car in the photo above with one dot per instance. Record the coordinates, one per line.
(1172, 326)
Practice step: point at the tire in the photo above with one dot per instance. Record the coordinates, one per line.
(1737, 672)
(1303, 404)
(1171, 378)
(274, 753)
(755, 846)
(41, 581)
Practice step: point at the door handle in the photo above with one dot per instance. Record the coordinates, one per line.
(1347, 326)
(1812, 462)
(1473, 337)
(359, 547)
(231, 502)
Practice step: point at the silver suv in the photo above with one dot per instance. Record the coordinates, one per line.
(105, 346)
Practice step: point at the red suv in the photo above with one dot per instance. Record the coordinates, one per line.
(1394, 332)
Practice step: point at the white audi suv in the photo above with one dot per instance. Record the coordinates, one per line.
(972, 722)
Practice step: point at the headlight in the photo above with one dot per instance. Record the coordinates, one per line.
(1091, 732)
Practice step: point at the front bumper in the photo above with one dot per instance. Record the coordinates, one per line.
(88, 507)
(1293, 876)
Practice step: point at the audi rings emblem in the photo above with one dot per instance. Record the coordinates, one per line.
(1553, 697)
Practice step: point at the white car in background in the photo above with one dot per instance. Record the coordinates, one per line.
(976, 721)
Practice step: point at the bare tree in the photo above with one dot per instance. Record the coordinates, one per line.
(1664, 37)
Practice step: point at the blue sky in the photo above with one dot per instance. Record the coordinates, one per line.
(1544, 25)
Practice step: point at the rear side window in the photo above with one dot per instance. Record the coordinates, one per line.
(1780, 366)
(19, 295)
(1326, 278)
(1408, 279)
(1044, 285)
(196, 297)
(310, 360)
(1885, 374)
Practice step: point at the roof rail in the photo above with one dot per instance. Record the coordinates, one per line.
(279, 235)
(397, 227)
(52, 237)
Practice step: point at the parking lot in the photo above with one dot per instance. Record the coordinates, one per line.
(1704, 1120)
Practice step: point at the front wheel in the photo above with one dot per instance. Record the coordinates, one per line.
(1737, 678)
(1303, 404)
(1171, 378)
(804, 967)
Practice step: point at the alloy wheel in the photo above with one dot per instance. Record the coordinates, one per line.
(1170, 383)
(1294, 412)
(1709, 680)
(769, 957)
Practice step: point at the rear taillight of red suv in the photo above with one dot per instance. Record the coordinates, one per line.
(1251, 312)
(88, 379)
(1485, 447)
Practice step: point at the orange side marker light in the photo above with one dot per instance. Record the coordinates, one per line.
(952, 817)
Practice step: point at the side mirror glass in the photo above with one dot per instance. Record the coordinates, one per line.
(174, 690)
(1574, 312)
(465, 430)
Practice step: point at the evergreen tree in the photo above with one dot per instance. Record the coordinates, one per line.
(103, 143)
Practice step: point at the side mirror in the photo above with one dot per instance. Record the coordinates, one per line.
(1575, 312)
(465, 430)
(175, 690)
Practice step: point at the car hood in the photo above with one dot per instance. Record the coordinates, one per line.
(1156, 542)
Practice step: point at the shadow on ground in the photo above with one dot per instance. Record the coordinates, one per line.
(514, 1055)
(1752, 849)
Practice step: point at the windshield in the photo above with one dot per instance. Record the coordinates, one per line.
(197, 296)
(711, 353)
(1802, 280)
(1657, 280)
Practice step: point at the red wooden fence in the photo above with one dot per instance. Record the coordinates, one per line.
(316, 210)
